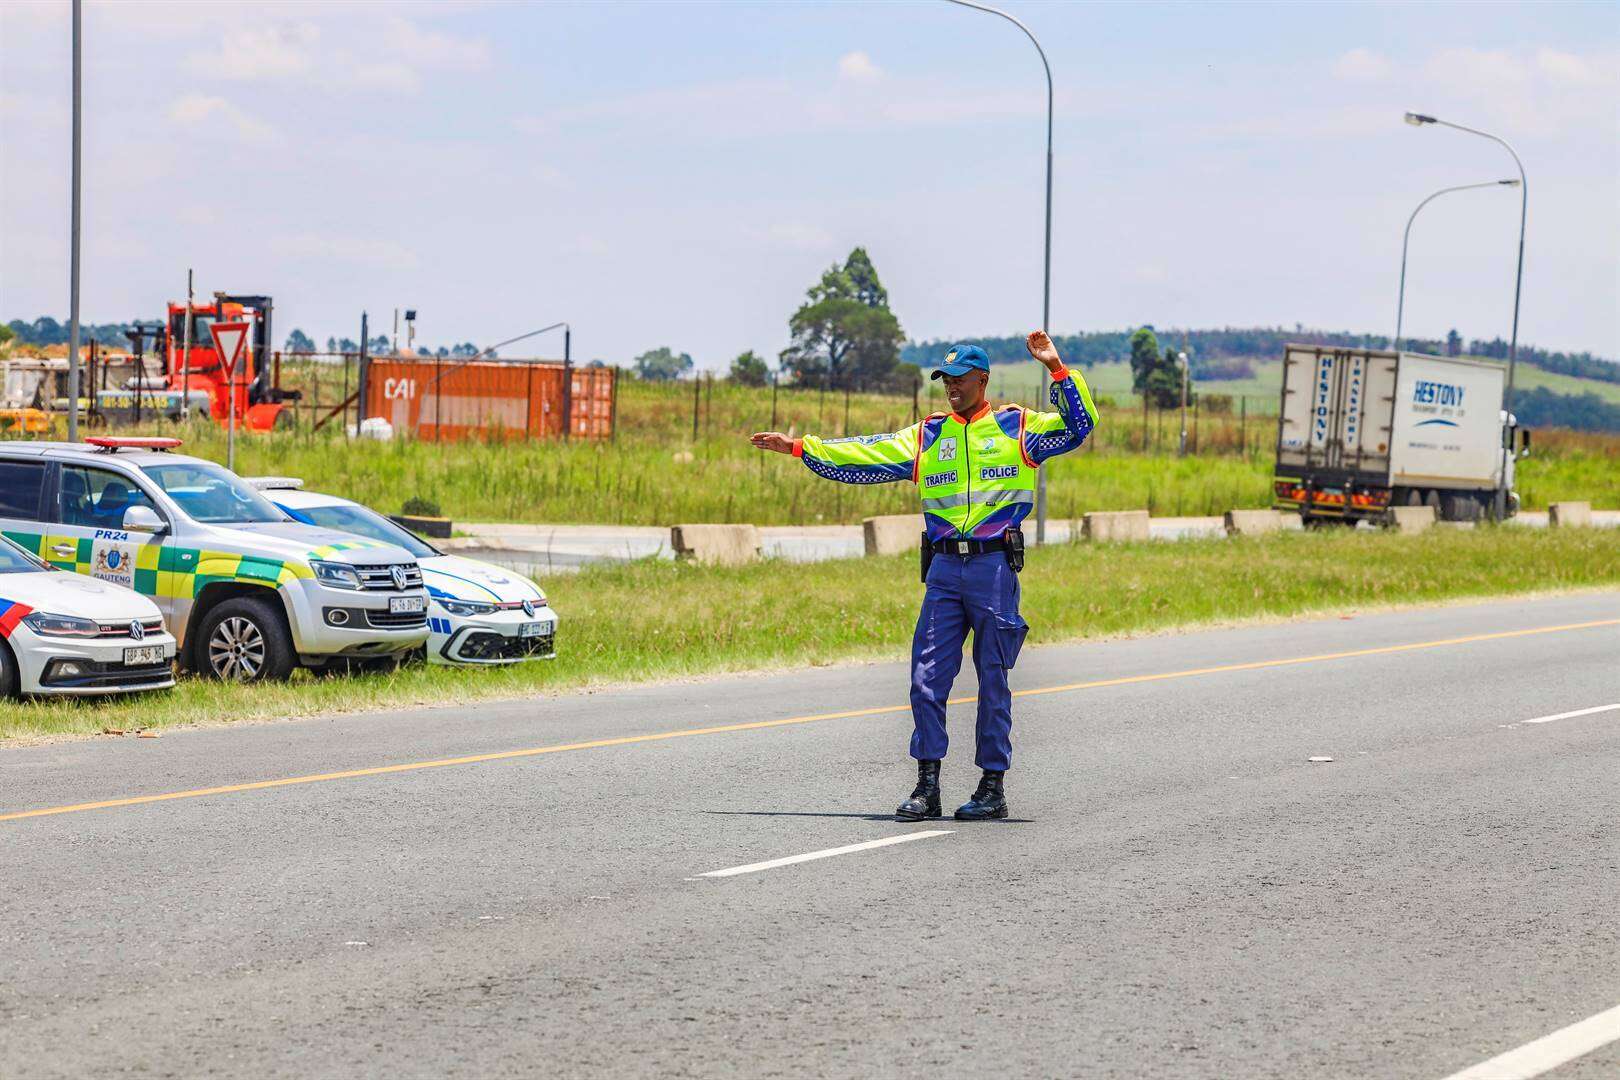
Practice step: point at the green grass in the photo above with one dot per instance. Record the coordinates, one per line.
(655, 474)
(774, 615)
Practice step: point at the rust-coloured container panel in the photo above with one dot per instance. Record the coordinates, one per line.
(448, 400)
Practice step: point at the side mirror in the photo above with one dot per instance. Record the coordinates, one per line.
(143, 519)
(1524, 442)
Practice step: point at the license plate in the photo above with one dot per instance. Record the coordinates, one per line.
(534, 629)
(404, 605)
(143, 655)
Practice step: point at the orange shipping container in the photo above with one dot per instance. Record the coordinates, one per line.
(449, 400)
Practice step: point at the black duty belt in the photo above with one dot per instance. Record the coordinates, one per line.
(968, 547)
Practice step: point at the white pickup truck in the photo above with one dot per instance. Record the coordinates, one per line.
(248, 592)
(1361, 430)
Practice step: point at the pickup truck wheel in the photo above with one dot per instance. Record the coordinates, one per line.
(245, 640)
(10, 677)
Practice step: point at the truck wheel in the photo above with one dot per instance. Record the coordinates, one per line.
(10, 677)
(1459, 508)
(1414, 497)
(1432, 498)
(245, 640)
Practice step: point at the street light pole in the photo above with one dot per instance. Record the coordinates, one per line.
(1182, 451)
(1418, 120)
(1400, 303)
(1046, 276)
(73, 257)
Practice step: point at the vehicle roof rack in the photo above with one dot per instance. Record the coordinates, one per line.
(109, 444)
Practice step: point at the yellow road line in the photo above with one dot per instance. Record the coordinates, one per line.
(597, 744)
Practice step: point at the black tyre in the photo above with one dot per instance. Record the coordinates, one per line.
(245, 640)
(10, 677)
(1460, 508)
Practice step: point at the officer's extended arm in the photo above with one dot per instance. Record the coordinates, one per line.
(861, 459)
(1048, 434)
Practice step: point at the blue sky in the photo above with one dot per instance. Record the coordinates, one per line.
(677, 174)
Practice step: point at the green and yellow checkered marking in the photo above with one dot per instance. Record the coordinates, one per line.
(175, 572)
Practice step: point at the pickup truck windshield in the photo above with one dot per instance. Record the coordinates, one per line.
(367, 523)
(212, 495)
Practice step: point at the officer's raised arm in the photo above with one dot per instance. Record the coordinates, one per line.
(1047, 435)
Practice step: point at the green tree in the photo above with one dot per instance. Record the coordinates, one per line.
(1144, 357)
(662, 365)
(299, 342)
(844, 334)
(749, 370)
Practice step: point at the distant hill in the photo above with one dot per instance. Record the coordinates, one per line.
(1579, 391)
(1212, 352)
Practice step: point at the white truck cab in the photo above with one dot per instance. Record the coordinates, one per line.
(247, 592)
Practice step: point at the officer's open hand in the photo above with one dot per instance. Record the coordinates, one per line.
(1041, 348)
(772, 440)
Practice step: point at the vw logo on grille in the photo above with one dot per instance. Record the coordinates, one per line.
(398, 574)
(528, 608)
(136, 630)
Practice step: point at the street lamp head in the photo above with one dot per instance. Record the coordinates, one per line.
(1515, 182)
(1418, 119)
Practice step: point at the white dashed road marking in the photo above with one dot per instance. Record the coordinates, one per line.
(827, 854)
(1568, 715)
(1550, 1051)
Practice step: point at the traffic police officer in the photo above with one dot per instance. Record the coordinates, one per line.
(975, 467)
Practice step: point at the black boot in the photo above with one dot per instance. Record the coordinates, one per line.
(924, 801)
(989, 801)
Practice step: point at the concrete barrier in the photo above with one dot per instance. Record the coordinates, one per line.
(1410, 519)
(720, 545)
(1106, 526)
(1563, 515)
(892, 534)
(1258, 522)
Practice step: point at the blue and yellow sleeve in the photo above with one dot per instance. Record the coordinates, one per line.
(1048, 434)
(861, 459)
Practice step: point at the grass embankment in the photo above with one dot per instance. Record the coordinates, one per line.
(691, 620)
(656, 474)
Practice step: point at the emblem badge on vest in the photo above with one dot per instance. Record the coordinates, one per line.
(947, 449)
(989, 445)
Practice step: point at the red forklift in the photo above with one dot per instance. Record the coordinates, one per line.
(196, 379)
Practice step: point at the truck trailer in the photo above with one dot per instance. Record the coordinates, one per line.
(1362, 430)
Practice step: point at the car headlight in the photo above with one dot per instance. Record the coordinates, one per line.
(41, 622)
(337, 575)
(466, 607)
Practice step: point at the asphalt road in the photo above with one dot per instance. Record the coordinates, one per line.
(1182, 893)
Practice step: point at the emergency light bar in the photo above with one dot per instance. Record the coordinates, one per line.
(274, 483)
(112, 444)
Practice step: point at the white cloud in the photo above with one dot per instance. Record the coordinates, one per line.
(1569, 69)
(207, 115)
(354, 49)
(351, 250)
(1362, 65)
(1545, 91)
(431, 49)
(250, 54)
(858, 67)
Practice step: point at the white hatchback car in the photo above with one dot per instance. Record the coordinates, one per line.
(62, 633)
(478, 613)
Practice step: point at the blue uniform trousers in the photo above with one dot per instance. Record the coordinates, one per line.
(978, 593)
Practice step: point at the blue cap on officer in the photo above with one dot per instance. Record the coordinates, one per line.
(961, 359)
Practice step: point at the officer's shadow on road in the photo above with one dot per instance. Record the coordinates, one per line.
(860, 817)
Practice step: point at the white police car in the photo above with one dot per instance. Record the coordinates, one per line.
(478, 613)
(62, 633)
